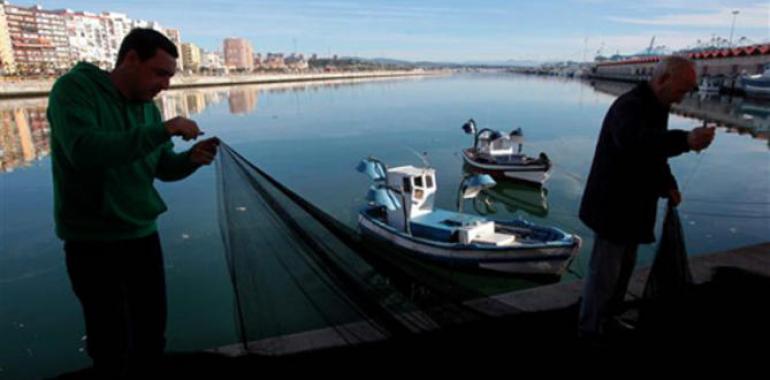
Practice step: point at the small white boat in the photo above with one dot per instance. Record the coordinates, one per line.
(493, 153)
(401, 213)
(757, 85)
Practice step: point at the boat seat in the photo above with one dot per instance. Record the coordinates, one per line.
(494, 239)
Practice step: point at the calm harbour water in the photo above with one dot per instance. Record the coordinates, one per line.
(310, 137)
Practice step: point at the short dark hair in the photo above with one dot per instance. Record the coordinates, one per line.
(145, 42)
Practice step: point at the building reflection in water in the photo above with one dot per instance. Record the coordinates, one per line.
(242, 101)
(187, 103)
(23, 134)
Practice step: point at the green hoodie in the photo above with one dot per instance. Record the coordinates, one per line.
(106, 152)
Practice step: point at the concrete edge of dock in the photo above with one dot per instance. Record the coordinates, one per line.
(754, 258)
(549, 298)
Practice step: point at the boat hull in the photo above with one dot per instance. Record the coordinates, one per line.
(552, 259)
(756, 87)
(536, 174)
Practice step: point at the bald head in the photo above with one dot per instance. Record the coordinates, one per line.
(672, 78)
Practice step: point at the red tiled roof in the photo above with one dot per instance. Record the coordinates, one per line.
(760, 49)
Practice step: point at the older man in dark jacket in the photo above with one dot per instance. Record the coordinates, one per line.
(629, 173)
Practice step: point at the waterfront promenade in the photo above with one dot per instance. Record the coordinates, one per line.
(41, 87)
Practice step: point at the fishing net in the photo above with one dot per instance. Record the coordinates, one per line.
(670, 275)
(669, 283)
(305, 281)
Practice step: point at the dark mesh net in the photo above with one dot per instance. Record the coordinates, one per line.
(304, 281)
(670, 275)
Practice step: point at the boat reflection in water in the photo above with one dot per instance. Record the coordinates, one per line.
(512, 196)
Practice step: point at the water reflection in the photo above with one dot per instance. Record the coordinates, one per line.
(24, 132)
(188, 103)
(242, 101)
(513, 197)
(735, 114)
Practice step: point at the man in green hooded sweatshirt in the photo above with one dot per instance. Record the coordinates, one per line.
(108, 145)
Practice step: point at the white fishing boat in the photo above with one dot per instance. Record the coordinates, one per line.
(757, 85)
(493, 152)
(401, 212)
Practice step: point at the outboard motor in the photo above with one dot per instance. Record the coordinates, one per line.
(470, 127)
(517, 136)
(544, 158)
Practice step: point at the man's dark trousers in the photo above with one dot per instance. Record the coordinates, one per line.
(121, 287)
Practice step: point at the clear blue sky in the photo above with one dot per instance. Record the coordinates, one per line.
(446, 30)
